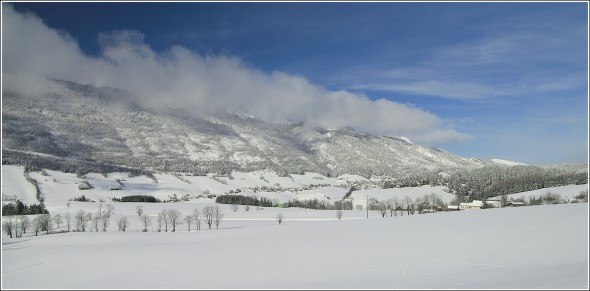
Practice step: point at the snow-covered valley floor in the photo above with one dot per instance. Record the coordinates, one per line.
(529, 247)
(525, 247)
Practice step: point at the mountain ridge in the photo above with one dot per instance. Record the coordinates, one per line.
(109, 125)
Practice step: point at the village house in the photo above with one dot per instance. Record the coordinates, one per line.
(475, 204)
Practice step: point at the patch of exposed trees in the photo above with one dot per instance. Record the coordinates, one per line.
(479, 184)
(553, 198)
(19, 208)
(245, 200)
(34, 163)
(137, 198)
(265, 202)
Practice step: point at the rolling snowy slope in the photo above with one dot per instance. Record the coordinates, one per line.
(57, 187)
(16, 186)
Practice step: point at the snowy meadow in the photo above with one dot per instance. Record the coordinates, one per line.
(515, 248)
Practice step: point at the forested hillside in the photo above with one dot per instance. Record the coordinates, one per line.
(107, 126)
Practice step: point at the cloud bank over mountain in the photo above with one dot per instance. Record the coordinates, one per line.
(200, 84)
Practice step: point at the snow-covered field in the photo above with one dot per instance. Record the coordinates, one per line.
(525, 247)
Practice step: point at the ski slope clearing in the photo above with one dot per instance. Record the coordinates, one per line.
(526, 247)
(16, 186)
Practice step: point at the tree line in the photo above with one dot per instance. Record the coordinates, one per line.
(34, 163)
(479, 184)
(137, 198)
(245, 200)
(19, 208)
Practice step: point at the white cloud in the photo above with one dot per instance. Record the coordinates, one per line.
(201, 84)
(564, 83)
(450, 90)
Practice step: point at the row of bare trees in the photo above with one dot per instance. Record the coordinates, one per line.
(394, 206)
(172, 217)
(17, 225)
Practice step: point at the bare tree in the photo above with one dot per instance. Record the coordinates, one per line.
(159, 221)
(432, 201)
(197, 216)
(18, 232)
(146, 221)
(139, 210)
(68, 219)
(80, 220)
(208, 215)
(57, 219)
(105, 221)
(383, 208)
(109, 210)
(94, 222)
(412, 209)
(234, 208)
(280, 217)
(122, 223)
(339, 214)
(24, 223)
(8, 225)
(189, 220)
(551, 198)
(163, 216)
(392, 206)
(47, 223)
(173, 218)
(68, 204)
(408, 202)
(247, 207)
(37, 224)
(217, 216)
(88, 216)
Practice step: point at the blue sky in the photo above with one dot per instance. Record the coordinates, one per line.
(485, 80)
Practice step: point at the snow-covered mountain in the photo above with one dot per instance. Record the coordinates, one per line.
(507, 162)
(107, 125)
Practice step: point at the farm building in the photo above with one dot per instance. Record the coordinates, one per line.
(475, 204)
